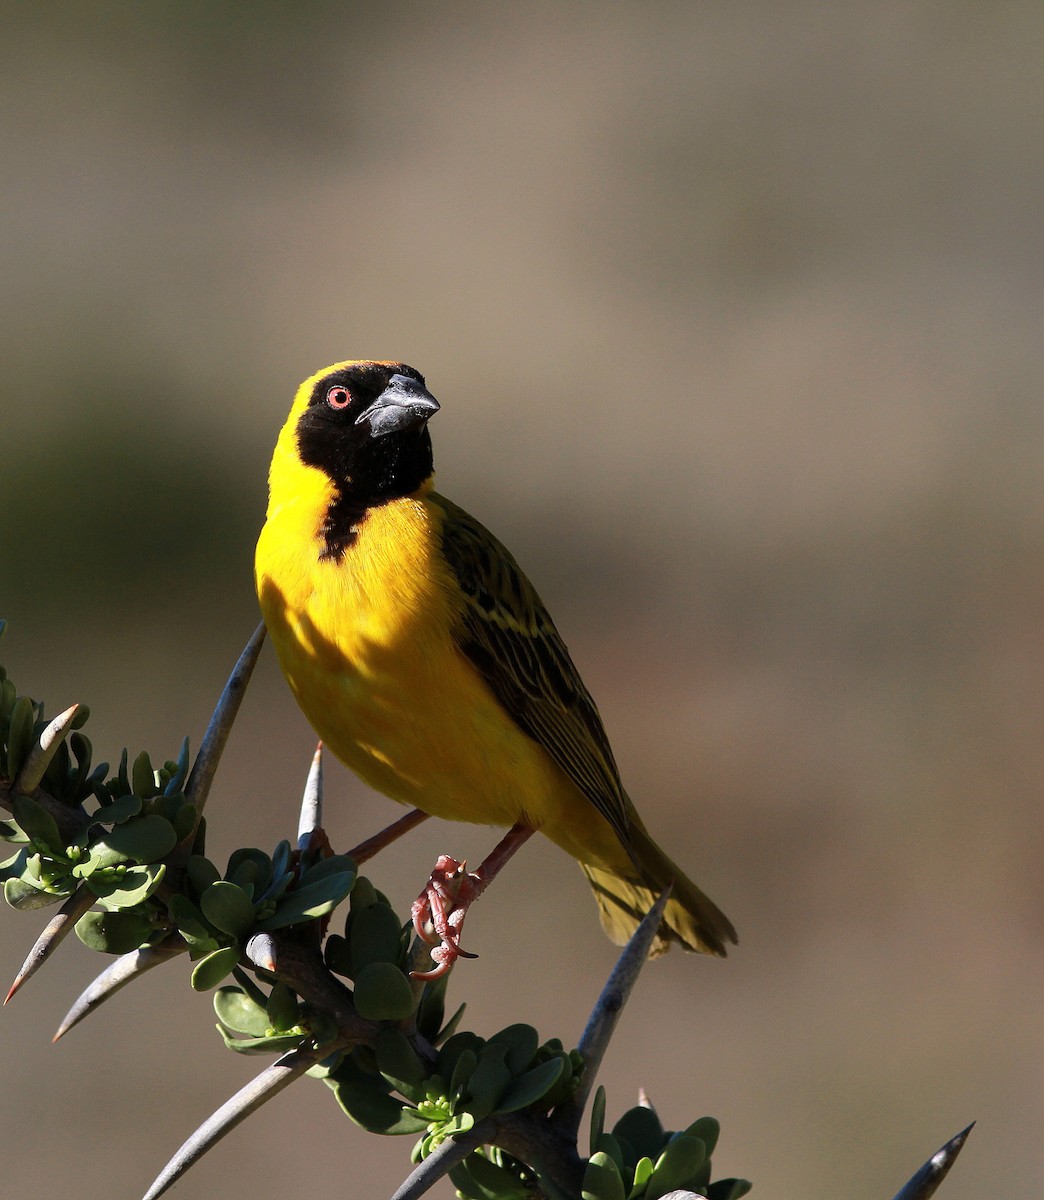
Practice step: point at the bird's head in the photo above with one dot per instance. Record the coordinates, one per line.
(364, 424)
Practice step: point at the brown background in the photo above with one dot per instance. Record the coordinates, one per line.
(733, 311)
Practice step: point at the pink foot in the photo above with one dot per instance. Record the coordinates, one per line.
(438, 913)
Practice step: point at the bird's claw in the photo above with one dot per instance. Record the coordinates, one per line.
(438, 913)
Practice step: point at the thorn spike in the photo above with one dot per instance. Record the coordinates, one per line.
(927, 1179)
(606, 1013)
(213, 744)
(247, 1100)
(311, 802)
(54, 932)
(39, 757)
(261, 950)
(117, 975)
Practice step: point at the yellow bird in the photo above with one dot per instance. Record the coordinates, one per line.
(426, 661)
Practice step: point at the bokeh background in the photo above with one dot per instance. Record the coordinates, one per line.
(734, 313)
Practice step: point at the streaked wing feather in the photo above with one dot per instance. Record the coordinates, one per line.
(508, 635)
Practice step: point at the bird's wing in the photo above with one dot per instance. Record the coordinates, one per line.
(509, 637)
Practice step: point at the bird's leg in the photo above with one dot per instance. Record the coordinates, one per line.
(395, 830)
(439, 911)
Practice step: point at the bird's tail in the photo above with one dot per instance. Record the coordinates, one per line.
(691, 918)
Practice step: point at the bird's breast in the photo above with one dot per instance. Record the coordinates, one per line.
(367, 645)
(367, 617)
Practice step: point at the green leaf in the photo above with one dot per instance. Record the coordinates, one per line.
(362, 1058)
(520, 1043)
(461, 1046)
(364, 894)
(728, 1189)
(335, 864)
(76, 788)
(432, 1008)
(488, 1081)
(608, 1144)
(120, 810)
(144, 839)
(528, 1088)
(280, 859)
(383, 993)
(278, 888)
(184, 820)
(20, 735)
(708, 1130)
(450, 1028)
(373, 936)
(114, 932)
(211, 970)
(337, 955)
(643, 1170)
(640, 1128)
(122, 780)
(37, 823)
(227, 908)
(375, 1110)
(463, 1066)
(261, 1045)
(250, 865)
(248, 985)
(201, 873)
(676, 1166)
(189, 920)
(56, 776)
(284, 1012)
(459, 1123)
(467, 1188)
(327, 1067)
(143, 778)
(308, 903)
(100, 858)
(181, 769)
(23, 896)
(601, 1179)
(134, 887)
(239, 1013)
(568, 1081)
(400, 1064)
(245, 878)
(479, 1179)
(8, 696)
(597, 1116)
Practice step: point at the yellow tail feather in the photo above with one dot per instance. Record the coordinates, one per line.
(691, 918)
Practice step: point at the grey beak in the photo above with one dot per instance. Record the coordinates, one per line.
(403, 405)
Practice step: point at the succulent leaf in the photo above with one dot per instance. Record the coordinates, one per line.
(528, 1088)
(211, 969)
(383, 993)
(677, 1166)
(309, 902)
(228, 909)
(239, 1013)
(601, 1179)
(114, 932)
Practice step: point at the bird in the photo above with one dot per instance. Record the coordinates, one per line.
(426, 661)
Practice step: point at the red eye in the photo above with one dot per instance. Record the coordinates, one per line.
(338, 397)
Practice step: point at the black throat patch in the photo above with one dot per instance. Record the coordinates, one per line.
(365, 470)
(393, 467)
(340, 528)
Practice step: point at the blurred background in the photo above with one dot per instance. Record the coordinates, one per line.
(734, 315)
